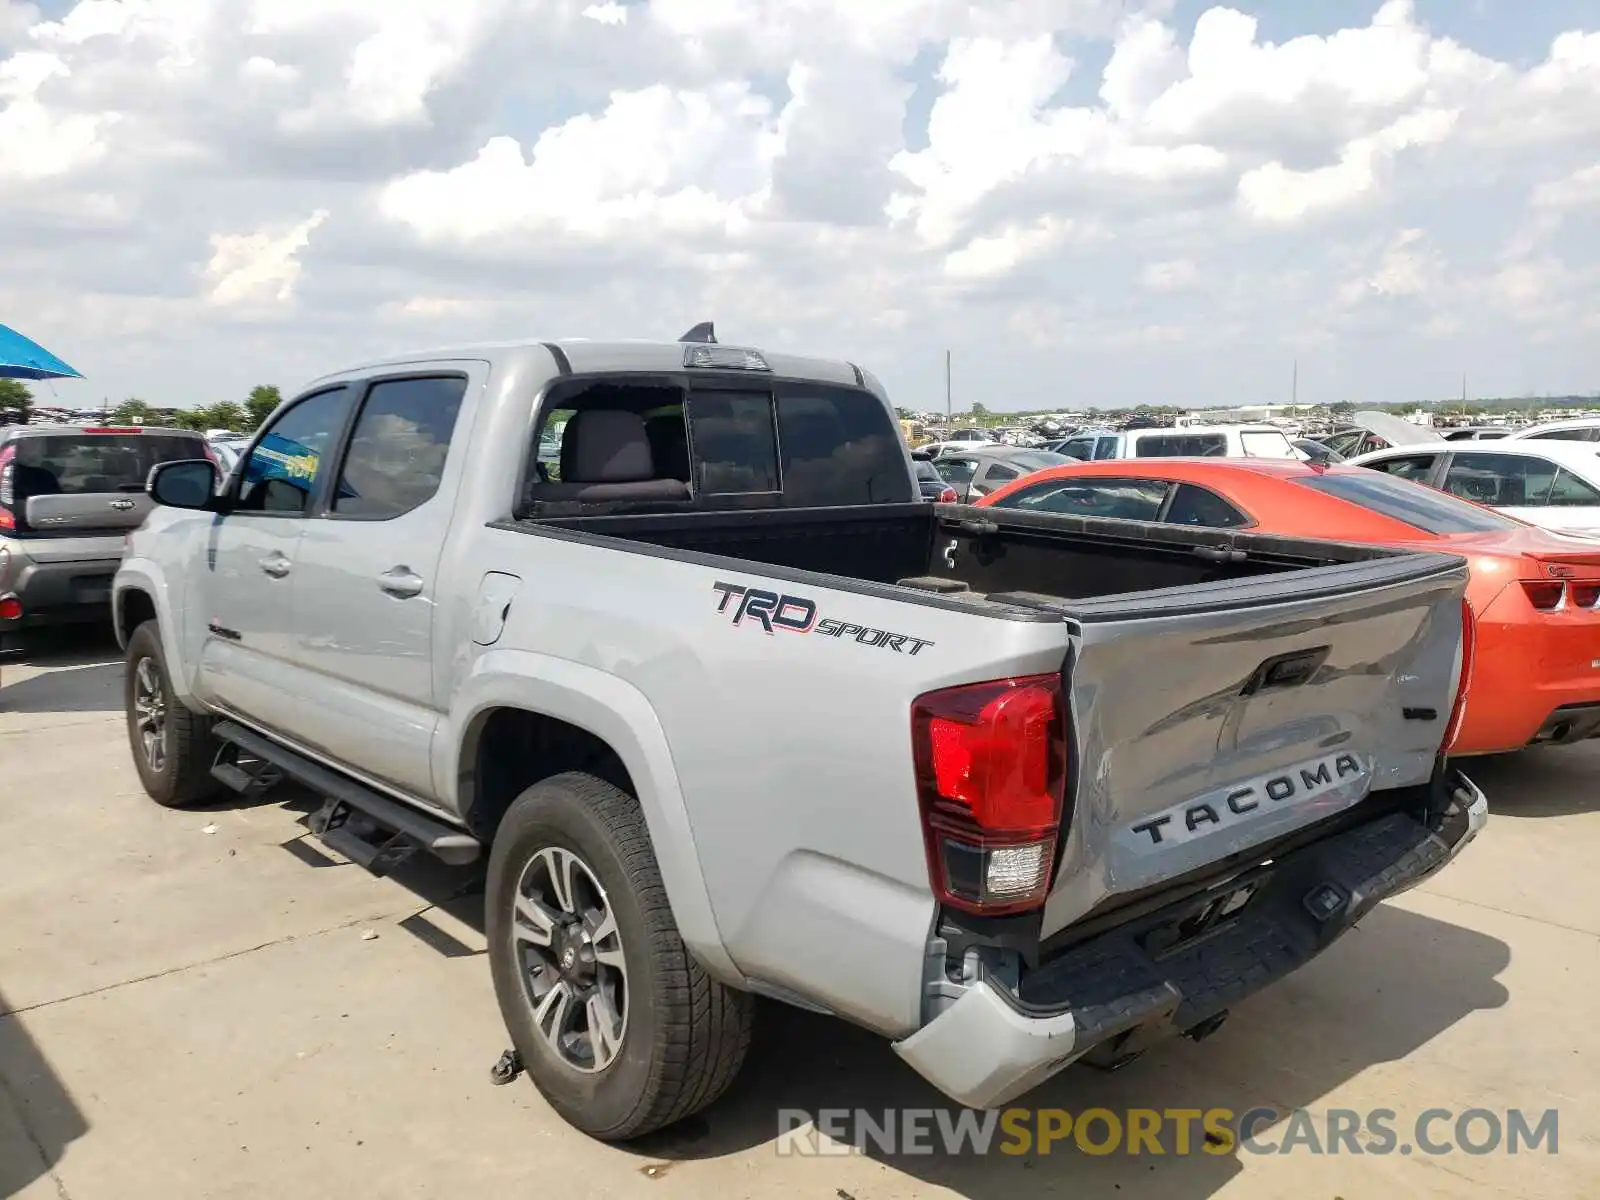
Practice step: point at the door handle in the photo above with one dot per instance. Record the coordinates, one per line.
(275, 565)
(401, 582)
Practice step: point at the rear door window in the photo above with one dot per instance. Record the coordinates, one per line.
(839, 446)
(1080, 448)
(1501, 480)
(1202, 508)
(957, 470)
(88, 463)
(1410, 466)
(1569, 490)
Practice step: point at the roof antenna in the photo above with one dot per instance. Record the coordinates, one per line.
(703, 332)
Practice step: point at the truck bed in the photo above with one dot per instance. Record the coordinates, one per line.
(1008, 558)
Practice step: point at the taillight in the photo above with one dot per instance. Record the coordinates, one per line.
(1584, 595)
(1469, 647)
(948, 496)
(991, 778)
(10, 608)
(1544, 594)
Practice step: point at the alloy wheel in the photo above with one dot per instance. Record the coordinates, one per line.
(565, 934)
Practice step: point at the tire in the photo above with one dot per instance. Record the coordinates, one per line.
(683, 1036)
(181, 774)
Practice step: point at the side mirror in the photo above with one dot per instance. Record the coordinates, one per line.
(190, 483)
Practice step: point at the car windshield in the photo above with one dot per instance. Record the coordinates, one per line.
(86, 463)
(1412, 503)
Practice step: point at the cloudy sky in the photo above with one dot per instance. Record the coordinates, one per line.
(1087, 201)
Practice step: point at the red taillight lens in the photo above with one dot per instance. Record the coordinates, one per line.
(1469, 647)
(1584, 595)
(10, 608)
(991, 778)
(1544, 594)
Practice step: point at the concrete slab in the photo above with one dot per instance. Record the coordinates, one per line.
(196, 1014)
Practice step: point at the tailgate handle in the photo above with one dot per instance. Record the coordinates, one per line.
(1285, 670)
(1220, 554)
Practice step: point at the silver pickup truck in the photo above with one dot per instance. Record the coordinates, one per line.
(731, 713)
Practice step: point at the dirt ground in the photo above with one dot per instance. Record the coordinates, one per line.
(193, 1005)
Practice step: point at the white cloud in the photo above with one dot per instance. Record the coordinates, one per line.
(879, 180)
(1172, 276)
(260, 267)
(654, 162)
(609, 13)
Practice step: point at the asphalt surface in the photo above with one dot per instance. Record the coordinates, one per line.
(204, 1004)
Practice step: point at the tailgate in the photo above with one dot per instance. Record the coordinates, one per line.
(88, 512)
(1213, 719)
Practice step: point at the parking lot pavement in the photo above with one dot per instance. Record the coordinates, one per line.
(194, 1008)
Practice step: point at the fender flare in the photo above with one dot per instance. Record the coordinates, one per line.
(618, 713)
(142, 575)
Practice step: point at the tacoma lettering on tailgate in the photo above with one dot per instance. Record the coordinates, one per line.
(1288, 788)
(773, 612)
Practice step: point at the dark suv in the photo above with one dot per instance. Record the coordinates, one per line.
(68, 495)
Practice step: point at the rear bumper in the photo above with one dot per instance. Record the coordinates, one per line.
(55, 593)
(1117, 993)
(1569, 723)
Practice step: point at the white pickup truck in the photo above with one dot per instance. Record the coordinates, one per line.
(731, 713)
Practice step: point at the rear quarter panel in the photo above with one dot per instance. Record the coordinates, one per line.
(775, 767)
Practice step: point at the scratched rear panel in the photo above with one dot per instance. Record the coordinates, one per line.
(1208, 733)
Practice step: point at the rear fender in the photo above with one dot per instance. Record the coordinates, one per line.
(619, 714)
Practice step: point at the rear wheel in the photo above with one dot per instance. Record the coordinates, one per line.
(616, 1024)
(171, 744)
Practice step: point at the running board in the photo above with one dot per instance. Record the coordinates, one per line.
(367, 827)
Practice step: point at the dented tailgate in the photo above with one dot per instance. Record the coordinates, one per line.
(1213, 719)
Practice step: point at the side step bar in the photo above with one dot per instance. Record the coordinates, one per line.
(367, 827)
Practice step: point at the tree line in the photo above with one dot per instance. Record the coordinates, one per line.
(17, 405)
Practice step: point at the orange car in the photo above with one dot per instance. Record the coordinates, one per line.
(1535, 671)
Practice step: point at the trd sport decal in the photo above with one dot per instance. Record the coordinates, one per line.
(796, 614)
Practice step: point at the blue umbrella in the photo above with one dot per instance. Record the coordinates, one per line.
(22, 358)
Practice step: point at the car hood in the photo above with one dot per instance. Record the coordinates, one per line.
(1394, 430)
